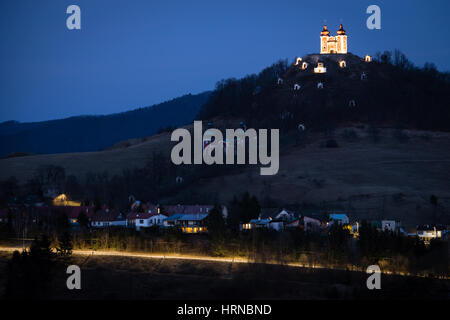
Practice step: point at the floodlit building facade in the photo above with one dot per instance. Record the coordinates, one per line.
(333, 44)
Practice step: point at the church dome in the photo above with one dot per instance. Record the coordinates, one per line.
(341, 30)
(325, 31)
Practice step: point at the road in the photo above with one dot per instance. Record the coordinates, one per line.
(212, 259)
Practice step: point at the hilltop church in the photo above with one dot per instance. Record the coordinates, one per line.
(333, 44)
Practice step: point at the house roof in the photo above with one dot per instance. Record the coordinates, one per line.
(318, 216)
(174, 217)
(269, 212)
(74, 212)
(428, 227)
(276, 221)
(107, 216)
(187, 209)
(338, 216)
(140, 215)
(311, 217)
(192, 217)
(260, 221)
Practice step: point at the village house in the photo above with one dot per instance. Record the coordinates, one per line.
(255, 224)
(430, 232)
(103, 219)
(276, 224)
(73, 213)
(284, 215)
(307, 223)
(192, 223)
(389, 225)
(151, 217)
(189, 218)
(312, 224)
(172, 221)
(340, 218)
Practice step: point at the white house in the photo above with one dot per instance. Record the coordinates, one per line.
(104, 219)
(429, 232)
(276, 224)
(283, 215)
(152, 217)
(389, 225)
(146, 220)
(310, 223)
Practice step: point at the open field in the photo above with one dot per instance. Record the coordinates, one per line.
(387, 179)
(115, 277)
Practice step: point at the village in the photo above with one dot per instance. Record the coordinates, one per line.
(191, 219)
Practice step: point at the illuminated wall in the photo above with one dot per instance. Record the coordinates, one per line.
(333, 44)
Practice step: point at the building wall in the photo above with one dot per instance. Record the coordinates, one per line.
(338, 44)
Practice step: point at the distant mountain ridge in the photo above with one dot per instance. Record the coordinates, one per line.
(93, 133)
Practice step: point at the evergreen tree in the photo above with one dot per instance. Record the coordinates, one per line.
(65, 246)
(83, 220)
(215, 222)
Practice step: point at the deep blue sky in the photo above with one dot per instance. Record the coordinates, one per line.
(134, 53)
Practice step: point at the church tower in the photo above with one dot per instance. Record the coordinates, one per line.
(341, 40)
(324, 35)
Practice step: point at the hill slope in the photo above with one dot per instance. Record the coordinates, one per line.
(93, 133)
(373, 171)
(389, 178)
(392, 93)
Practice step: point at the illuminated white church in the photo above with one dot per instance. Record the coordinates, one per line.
(333, 44)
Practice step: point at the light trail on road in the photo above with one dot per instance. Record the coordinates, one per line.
(218, 259)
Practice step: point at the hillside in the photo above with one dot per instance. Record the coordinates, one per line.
(391, 177)
(93, 133)
(389, 150)
(387, 92)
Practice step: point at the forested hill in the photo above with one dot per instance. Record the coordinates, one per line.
(92, 133)
(388, 91)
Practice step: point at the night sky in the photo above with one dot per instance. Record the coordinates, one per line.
(135, 53)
